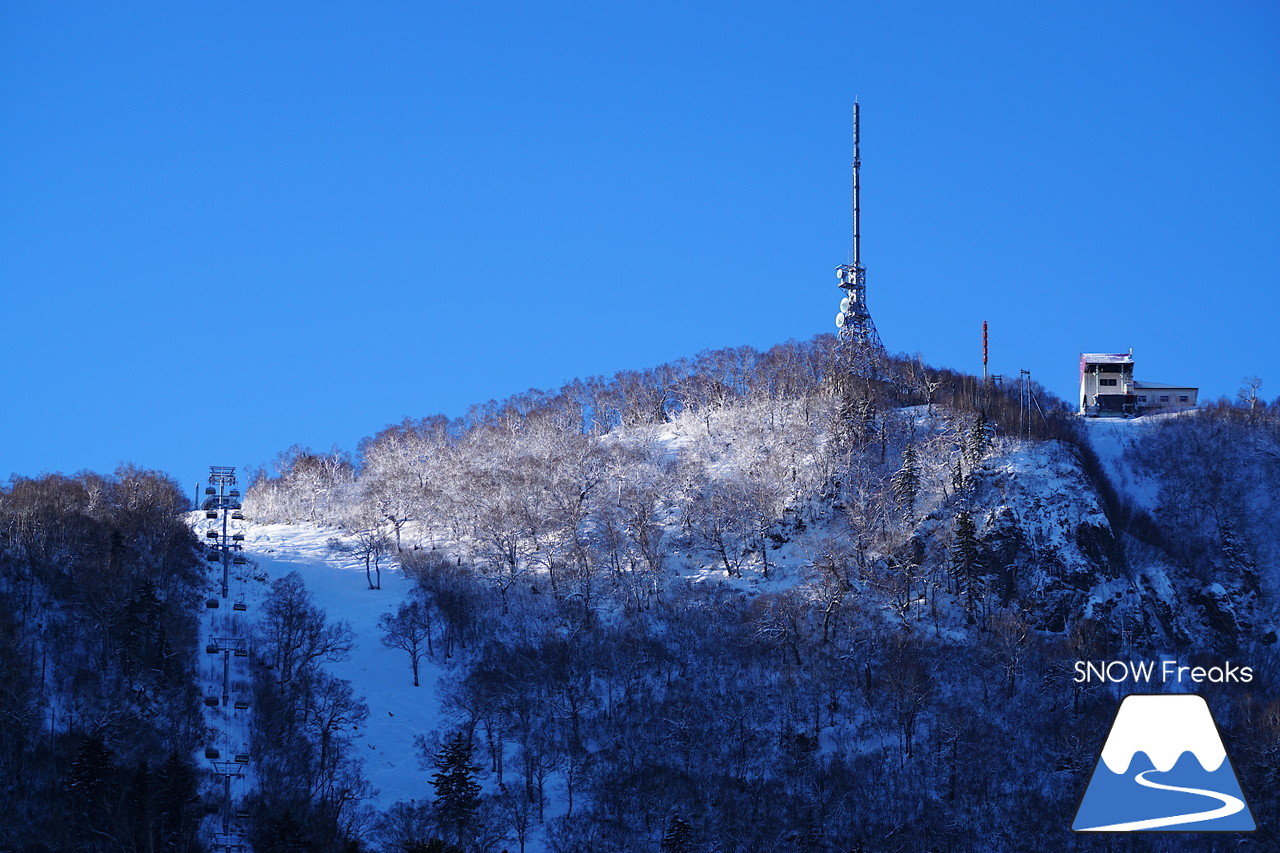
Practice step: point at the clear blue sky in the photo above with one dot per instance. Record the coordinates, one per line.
(228, 228)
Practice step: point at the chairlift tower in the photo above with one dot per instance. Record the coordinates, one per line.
(222, 504)
(860, 344)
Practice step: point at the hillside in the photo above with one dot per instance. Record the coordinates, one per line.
(714, 601)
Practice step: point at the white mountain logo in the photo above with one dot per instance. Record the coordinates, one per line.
(1163, 767)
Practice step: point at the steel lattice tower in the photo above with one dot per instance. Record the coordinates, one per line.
(860, 343)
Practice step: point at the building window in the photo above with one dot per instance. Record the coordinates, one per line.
(1164, 398)
(1106, 382)
(1184, 399)
(1142, 398)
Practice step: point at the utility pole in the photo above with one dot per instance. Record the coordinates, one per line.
(984, 353)
(1024, 402)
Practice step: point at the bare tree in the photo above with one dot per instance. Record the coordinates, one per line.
(409, 628)
(1249, 392)
(369, 544)
(295, 633)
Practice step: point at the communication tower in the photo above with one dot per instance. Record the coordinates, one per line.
(859, 341)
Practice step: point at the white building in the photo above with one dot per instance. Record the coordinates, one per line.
(1108, 389)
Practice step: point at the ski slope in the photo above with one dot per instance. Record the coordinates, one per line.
(398, 711)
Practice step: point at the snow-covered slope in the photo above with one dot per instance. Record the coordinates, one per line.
(398, 711)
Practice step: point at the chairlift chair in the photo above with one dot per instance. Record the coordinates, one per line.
(211, 701)
(212, 648)
(211, 752)
(212, 604)
(212, 556)
(242, 758)
(240, 605)
(237, 515)
(210, 513)
(241, 653)
(242, 705)
(210, 490)
(238, 560)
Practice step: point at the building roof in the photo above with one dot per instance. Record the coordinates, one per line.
(1160, 386)
(1106, 358)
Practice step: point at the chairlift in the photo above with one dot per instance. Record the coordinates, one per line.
(211, 752)
(210, 490)
(211, 534)
(242, 758)
(238, 560)
(242, 705)
(211, 701)
(242, 653)
(242, 814)
(240, 605)
(234, 493)
(237, 515)
(211, 513)
(212, 556)
(212, 604)
(237, 537)
(212, 648)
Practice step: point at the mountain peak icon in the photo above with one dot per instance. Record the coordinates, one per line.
(1163, 767)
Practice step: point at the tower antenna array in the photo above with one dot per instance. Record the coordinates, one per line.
(858, 336)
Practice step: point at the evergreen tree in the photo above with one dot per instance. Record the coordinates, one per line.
(678, 837)
(964, 562)
(178, 801)
(906, 482)
(90, 782)
(457, 791)
(977, 442)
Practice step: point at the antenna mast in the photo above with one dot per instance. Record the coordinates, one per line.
(857, 212)
(859, 339)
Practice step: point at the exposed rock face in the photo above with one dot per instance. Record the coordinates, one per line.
(1045, 543)
(1047, 549)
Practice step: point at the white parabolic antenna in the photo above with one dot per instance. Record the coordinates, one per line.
(840, 319)
(844, 304)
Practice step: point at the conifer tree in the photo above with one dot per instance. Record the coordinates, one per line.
(964, 562)
(906, 483)
(457, 791)
(977, 442)
(90, 781)
(678, 837)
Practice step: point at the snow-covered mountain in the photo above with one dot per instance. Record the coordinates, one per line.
(735, 603)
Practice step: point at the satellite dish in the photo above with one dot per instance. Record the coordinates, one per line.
(840, 320)
(844, 304)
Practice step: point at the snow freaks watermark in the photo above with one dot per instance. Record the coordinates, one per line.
(1158, 672)
(1163, 767)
